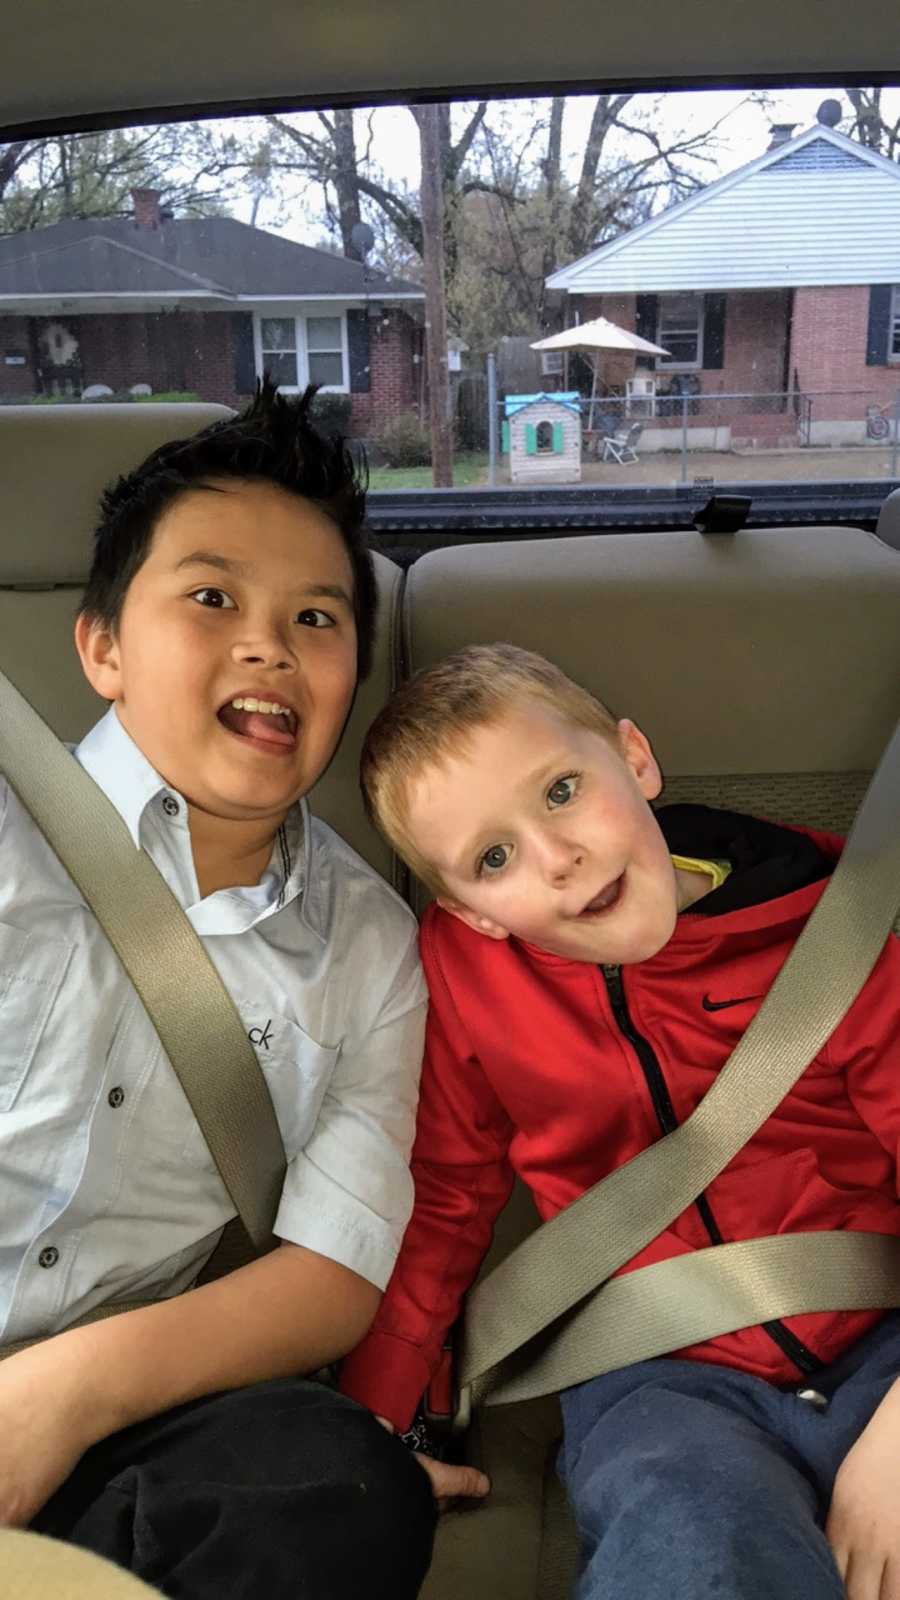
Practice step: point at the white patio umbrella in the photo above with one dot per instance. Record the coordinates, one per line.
(600, 334)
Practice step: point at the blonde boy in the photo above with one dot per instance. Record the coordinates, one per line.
(591, 965)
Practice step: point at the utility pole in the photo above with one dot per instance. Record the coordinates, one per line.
(432, 204)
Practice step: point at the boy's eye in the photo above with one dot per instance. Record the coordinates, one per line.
(494, 859)
(215, 599)
(313, 618)
(562, 790)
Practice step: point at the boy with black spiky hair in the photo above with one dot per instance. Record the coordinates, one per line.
(227, 618)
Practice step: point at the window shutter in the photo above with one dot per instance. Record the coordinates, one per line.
(714, 331)
(530, 439)
(880, 296)
(244, 354)
(504, 438)
(647, 316)
(557, 438)
(359, 352)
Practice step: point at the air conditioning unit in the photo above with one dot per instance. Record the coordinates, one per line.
(640, 395)
(552, 363)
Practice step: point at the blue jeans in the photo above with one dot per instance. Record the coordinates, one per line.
(691, 1481)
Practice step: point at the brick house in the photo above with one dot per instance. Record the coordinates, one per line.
(779, 284)
(201, 305)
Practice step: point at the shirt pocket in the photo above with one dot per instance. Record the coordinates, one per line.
(32, 970)
(297, 1070)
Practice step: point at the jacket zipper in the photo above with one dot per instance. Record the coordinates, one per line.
(786, 1341)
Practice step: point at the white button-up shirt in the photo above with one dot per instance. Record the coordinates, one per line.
(107, 1188)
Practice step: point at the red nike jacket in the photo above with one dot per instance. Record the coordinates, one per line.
(544, 1067)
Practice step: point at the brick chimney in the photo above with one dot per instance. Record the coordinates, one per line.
(146, 208)
(781, 133)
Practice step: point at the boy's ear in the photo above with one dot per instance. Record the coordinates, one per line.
(637, 753)
(473, 919)
(98, 651)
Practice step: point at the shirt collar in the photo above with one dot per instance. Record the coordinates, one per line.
(116, 764)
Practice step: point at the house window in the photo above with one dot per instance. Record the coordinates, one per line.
(894, 345)
(544, 437)
(680, 330)
(296, 351)
(278, 341)
(325, 344)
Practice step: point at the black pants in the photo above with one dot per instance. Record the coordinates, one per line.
(285, 1489)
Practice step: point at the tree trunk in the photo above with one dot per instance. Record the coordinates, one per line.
(581, 224)
(346, 181)
(432, 206)
(65, 177)
(11, 158)
(552, 172)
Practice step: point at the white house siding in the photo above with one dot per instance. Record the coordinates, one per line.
(823, 213)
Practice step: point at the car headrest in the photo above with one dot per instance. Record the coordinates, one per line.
(773, 650)
(56, 462)
(888, 527)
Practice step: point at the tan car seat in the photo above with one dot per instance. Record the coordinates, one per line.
(37, 1568)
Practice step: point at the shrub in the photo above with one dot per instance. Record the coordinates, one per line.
(332, 412)
(404, 441)
(165, 397)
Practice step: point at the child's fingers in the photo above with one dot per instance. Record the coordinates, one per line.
(453, 1482)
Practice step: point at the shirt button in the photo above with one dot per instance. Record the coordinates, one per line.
(813, 1398)
(115, 1097)
(48, 1256)
(170, 806)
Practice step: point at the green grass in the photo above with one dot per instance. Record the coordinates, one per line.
(468, 470)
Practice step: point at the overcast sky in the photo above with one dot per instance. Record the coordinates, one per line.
(743, 136)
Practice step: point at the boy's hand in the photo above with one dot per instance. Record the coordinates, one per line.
(44, 1430)
(449, 1483)
(863, 1526)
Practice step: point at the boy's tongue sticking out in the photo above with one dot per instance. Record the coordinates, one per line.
(266, 722)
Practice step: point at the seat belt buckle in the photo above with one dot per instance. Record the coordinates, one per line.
(447, 1410)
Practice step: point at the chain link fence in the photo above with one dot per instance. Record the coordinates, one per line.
(631, 430)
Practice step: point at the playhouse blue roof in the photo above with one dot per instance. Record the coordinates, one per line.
(517, 402)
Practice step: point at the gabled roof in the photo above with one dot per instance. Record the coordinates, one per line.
(214, 258)
(514, 403)
(819, 209)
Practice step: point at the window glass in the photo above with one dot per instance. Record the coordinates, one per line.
(279, 350)
(324, 343)
(680, 329)
(684, 271)
(323, 333)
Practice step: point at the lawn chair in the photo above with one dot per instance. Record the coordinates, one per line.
(620, 447)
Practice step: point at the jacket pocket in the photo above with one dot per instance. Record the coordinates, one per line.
(297, 1070)
(32, 970)
(789, 1193)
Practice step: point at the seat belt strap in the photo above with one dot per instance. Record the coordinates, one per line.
(190, 1008)
(688, 1299)
(578, 1250)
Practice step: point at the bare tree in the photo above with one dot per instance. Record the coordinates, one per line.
(872, 125)
(77, 176)
(430, 123)
(328, 156)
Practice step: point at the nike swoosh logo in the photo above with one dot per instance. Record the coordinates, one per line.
(723, 1005)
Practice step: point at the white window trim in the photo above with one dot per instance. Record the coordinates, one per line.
(894, 327)
(683, 366)
(302, 354)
